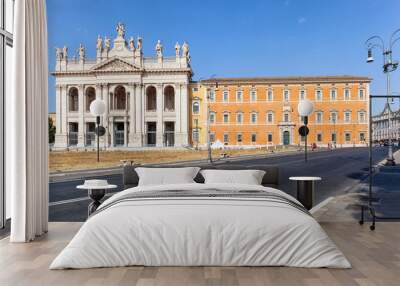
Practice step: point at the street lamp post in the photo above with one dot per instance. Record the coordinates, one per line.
(388, 66)
(305, 108)
(208, 121)
(97, 108)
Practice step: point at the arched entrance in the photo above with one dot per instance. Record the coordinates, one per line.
(286, 138)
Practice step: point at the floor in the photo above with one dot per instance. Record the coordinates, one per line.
(375, 257)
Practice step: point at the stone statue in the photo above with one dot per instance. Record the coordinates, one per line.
(159, 48)
(99, 43)
(132, 44)
(185, 50)
(120, 30)
(177, 49)
(81, 52)
(59, 54)
(139, 44)
(65, 52)
(107, 43)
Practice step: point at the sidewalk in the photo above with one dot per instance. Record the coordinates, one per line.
(385, 193)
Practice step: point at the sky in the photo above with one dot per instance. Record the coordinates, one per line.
(239, 38)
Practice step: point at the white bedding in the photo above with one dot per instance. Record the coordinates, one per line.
(206, 231)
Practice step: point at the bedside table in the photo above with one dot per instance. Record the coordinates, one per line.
(96, 191)
(305, 190)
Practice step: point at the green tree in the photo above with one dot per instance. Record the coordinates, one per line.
(52, 131)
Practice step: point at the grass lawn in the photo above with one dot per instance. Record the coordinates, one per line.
(78, 160)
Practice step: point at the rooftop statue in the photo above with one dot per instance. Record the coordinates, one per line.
(99, 43)
(107, 43)
(59, 54)
(159, 48)
(177, 49)
(120, 30)
(185, 49)
(132, 44)
(81, 52)
(139, 43)
(65, 52)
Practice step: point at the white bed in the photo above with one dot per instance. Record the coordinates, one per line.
(202, 231)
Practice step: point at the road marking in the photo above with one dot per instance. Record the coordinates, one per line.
(80, 199)
(321, 205)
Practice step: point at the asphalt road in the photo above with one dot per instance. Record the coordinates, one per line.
(340, 169)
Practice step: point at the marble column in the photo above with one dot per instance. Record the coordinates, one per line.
(184, 115)
(61, 124)
(106, 98)
(178, 115)
(178, 120)
(81, 112)
(111, 129)
(160, 111)
(125, 131)
(64, 109)
(132, 115)
(137, 115)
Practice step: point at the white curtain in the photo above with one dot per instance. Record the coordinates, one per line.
(26, 124)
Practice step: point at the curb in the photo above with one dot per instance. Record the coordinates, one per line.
(378, 166)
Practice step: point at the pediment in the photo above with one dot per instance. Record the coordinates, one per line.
(115, 65)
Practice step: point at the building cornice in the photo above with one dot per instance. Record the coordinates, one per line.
(287, 80)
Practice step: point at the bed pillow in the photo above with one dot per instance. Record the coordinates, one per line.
(248, 177)
(166, 176)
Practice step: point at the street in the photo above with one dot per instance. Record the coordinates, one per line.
(340, 170)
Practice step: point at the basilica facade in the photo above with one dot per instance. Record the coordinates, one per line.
(146, 98)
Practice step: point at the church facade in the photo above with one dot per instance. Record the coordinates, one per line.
(146, 98)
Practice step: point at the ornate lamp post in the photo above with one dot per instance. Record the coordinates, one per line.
(208, 120)
(388, 66)
(97, 108)
(305, 108)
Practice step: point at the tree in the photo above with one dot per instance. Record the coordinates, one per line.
(52, 131)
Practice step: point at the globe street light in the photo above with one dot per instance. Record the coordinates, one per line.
(97, 108)
(388, 66)
(305, 108)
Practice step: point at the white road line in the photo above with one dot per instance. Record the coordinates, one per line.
(321, 205)
(73, 200)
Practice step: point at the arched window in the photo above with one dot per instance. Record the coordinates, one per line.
(120, 98)
(90, 95)
(196, 107)
(151, 98)
(73, 99)
(169, 98)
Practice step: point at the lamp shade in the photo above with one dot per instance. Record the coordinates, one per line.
(97, 107)
(305, 107)
(370, 58)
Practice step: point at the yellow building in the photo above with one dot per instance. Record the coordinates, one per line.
(263, 111)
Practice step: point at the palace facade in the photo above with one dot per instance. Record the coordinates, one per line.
(153, 102)
(263, 111)
(380, 125)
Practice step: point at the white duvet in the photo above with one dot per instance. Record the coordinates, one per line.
(193, 231)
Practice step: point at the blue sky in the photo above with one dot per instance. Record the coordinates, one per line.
(239, 38)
